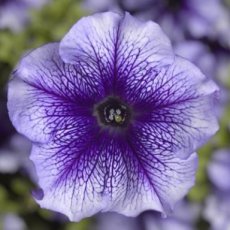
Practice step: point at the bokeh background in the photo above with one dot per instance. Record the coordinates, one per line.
(199, 30)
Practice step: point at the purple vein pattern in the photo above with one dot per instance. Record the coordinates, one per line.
(114, 116)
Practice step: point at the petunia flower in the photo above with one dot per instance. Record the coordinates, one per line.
(219, 170)
(213, 64)
(184, 217)
(199, 54)
(100, 5)
(14, 157)
(217, 206)
(217, 211)
(11, 221)
(14, 14)
(179, 17)
(114, 115)
(114, 221)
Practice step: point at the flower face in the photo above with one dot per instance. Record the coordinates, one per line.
(114, 116)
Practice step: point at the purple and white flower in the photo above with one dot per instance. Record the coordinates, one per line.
(217, 210)
(14, 14)
(179, 17)
(219, 170)
(199, 54)
(214, 64)
(12, 221)
(114, 115)
(114, 221)
(100, 5)
(14, 155)
(184, 217)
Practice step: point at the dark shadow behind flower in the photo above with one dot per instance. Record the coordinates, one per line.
(6, 128)
(115, 117)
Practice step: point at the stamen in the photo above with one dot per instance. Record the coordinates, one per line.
(113, 112)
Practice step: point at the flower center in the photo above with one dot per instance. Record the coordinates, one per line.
(113, 112)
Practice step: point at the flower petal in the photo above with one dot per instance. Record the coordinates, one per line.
(169, 176)
(89, 171)
(44, 69)
(219, 170)
(176, 108)
(91, 175)
(217, 211)
(114, 221)
(44, 92)
(114, 47)
(203, 21)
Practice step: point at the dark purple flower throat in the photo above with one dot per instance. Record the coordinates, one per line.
(113, 112)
